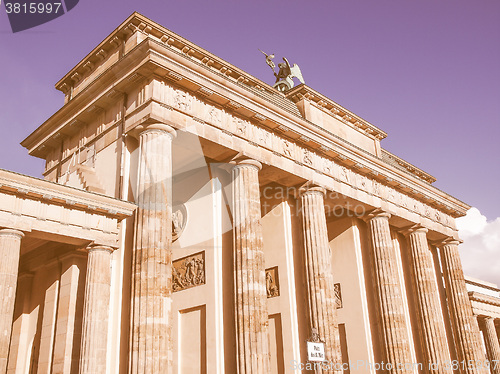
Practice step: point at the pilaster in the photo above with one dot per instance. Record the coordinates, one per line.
(96, 311)
(68, 327)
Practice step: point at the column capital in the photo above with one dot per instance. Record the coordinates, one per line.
(486, 318)
(447, 241)
(241, 160)
(311, 187)
(413, 229)
(11, 232)
(137, 131)
(376, 213)
(80, 253)
(27, 275)
(98, 247)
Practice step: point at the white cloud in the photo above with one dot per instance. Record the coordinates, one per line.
(480, 251)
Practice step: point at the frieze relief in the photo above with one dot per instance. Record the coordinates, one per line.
(308, 157)
(363, 182)
(241, 126)
(267, 139)
(182, 101)
(345, 174)
(188, 272)
(215, 116)
(325, 166)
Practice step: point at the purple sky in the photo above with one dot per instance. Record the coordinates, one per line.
(427, 72)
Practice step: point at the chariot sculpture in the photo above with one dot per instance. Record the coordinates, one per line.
(285, 74)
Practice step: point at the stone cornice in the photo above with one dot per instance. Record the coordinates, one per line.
(67, 120)
(346, 116)
(482, 284)
(482, 298)
(54, 193)
(139, 23)
(406, 166)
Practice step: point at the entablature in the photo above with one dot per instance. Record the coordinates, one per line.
(158, 67)
(303, 92)
(51, 211)
(399, 163)
(154, 58)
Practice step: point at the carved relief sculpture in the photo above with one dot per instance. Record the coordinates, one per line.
(188, 272)
(179, 219)
(272, 285)
(338, 295)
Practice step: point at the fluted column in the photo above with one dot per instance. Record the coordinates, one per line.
(319, 276)
(96, 310)
(151, 315)
(431, 329)
(465, 328)
(249, 271)
(10, 248)
(491, 343)
(395, 347)
(497, 326)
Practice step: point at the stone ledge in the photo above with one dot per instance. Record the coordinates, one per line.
(482, 298)
(54, 193)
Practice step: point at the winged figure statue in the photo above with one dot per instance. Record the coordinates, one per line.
(285, 74)
(284, 77)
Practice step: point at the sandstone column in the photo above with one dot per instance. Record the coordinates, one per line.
(319, 277)
(395, 347)
(252, 338)
(151, 315)
(497, 326)
(431, 329)
(10, 247)
(96, 310)
(465, 328)
(491, 343)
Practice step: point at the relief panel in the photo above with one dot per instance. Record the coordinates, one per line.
(188, 272)
(272, 282)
